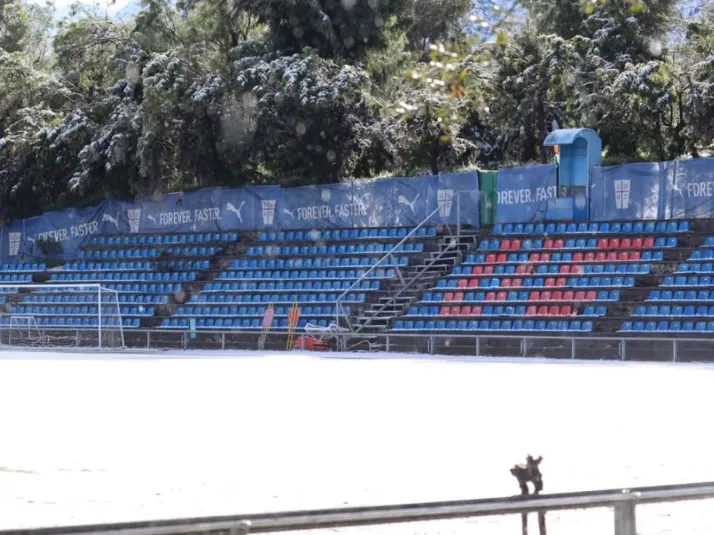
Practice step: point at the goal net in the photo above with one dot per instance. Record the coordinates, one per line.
(60, 315)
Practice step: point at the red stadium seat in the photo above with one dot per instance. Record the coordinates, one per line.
(501, 258)
(554, 310)
(473, 283)
(566, 310)
(634, 256)
(543, 310)
(602, 243)
(601, 256)
(625, 243)
(637, 243)
(477, 270)
(550, 281)
(502, 296)
(531, 310)
(558, 244)
(611, 257)
(491, 259)
(448, 297)
(516, 283)
(476, 311)
(578, 257)
(648, 242)
(535, 257)
(466, 310)
(545, 257)
(463, 283)
(520, 269)
(557, 296)
(444, 311)
(535, 296)
(614, 243)
(548, 244)
(491, 296)
(590, 257)
(455, 311)
(505, 245)
(505, 283)
(546, 295)
(488, 270)
(568, 295)
(591, 295)
(565, 269)
(623, 256)
(458, 297)
(515, 245)
(579, 296)
(576, 269)
(561, 281)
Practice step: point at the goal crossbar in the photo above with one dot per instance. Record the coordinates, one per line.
(60, 315)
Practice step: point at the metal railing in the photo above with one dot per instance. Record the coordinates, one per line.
(623, 502)
(550, 346)
(339, 308)
(406, 285)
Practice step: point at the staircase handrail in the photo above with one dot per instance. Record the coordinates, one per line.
(411, 281)
(338, 302)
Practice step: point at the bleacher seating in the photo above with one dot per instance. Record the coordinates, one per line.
(345, 234)
(117, 262)
(637, 227)
(539, 278)
(683, 298)
(531, 277)
(280, 269)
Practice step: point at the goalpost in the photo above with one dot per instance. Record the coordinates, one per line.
(60, 315)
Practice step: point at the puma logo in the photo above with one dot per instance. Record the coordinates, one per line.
(113, 220)
(231, 208)
(403, 200)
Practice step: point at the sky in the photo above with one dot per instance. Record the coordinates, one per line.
(124, 8)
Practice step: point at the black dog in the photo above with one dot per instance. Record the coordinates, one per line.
(529, 472)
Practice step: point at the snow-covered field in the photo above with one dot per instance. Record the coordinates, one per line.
(97, 437)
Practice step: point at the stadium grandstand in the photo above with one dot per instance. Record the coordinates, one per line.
(549, 253)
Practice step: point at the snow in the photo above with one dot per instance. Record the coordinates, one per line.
(94, 437)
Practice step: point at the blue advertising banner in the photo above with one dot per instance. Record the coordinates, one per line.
(689, 187)
(56, 234)
(264, 206)
(523, 193)
(456, 196)
(378, 198)
(411, 200)
(328, 206)
(628, 191)
(380, 203)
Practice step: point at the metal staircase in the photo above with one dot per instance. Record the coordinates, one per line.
(416, 279)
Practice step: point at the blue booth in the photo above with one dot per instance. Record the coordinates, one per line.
(580, 149)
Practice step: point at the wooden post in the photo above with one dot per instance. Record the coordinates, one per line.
(293, 319)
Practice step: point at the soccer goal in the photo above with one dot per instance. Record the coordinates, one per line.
(60, 315)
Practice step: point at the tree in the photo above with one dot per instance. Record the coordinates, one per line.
(697, 61)
(14, 25)
(345, 29)
(533, 86)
